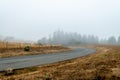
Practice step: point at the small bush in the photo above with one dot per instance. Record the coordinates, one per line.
(48, 77)
(9, 71)
(27, 48)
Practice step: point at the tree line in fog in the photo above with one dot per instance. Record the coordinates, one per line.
(61, 37)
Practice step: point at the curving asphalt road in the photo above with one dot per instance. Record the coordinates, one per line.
(34, 60)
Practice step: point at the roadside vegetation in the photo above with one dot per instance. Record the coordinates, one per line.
(102, 65)
(19, 49)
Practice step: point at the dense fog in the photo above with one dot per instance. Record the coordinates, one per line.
(65, 38)
(34, 19)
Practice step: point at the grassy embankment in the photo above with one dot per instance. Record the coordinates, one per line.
(102, 65)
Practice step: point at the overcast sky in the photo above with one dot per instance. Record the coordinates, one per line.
(33, 19)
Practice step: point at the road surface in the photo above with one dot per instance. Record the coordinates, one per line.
(34, 60)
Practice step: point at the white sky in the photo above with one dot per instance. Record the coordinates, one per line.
(33, 19)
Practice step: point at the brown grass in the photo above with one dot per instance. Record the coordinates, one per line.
(33, 51)
(17, 49)
(102, 65)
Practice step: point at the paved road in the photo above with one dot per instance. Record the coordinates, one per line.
(34, 60)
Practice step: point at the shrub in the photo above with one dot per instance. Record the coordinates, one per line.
(27, 48)
(9, 71)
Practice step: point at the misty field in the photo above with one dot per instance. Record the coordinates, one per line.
(102, 65)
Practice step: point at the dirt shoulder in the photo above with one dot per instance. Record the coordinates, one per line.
(10, 52)
(102, 65)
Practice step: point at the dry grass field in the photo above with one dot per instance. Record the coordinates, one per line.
(4, 44)
(17, 49)
(102, 65)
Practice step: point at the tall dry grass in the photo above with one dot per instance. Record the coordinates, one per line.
(4, 44)
(17, 49)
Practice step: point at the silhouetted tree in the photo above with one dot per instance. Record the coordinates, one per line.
(119, 40)
(39, 42)
(42, 41)
(61, 37)
(112, 40)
